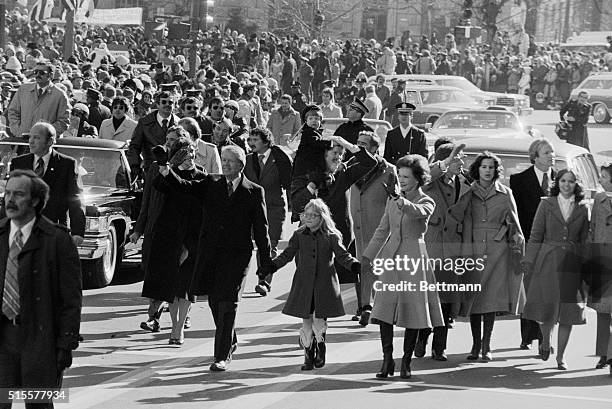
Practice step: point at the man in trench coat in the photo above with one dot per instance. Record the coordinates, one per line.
(40, 291)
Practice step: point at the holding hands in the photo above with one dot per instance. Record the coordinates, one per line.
(266, 269)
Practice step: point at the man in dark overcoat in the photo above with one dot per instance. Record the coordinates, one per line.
(405, 139)
(528, 187)
(235, 212)
(40, 291)
(270, 167)
(60, 173)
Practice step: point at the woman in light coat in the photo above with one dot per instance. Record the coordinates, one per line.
(120, 127)
(401, 233)
(600, 289)
(329, 109)
(485, 221)
(554, 260)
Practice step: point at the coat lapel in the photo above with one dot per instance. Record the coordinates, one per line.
(267, 166)
(4, 248)
(556, 209)
(51, 167)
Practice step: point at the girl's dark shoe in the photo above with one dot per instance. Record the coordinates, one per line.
(309, 356)
(405, 372)
(319, 361)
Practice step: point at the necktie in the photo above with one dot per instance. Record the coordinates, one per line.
(261, 163)
(545, 184)
(40, 167)
(10, 300)
(230, 189)
(38, 92)
(165, 125)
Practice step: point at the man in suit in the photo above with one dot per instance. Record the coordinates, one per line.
(97, 111)
(270, 167)
(528, 187)
(60, 173)
(40, 101)
(151, 131)
(120, 127)
(235, 212)
(40, 291)
(406, 138)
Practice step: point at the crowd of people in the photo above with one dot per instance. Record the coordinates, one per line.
(227, 154)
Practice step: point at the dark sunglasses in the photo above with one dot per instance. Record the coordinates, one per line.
(42, 72)
(76, 112)
(167, 102)
(120, 107)
(216, 107)
(190, 108)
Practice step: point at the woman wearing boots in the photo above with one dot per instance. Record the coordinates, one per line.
(600, 289)
(315, 292)
(484, 226)
(554, 258)
(401, 233)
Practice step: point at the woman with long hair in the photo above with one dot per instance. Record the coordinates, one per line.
(484, 222)
(315, 290)
(554, 260)
(401, 233)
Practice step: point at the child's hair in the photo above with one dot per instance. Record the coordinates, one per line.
(311, 110)
(327, 223)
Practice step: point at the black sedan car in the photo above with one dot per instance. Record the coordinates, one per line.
(110, 195)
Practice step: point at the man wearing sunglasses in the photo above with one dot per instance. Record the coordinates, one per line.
(39, 101)
(151, 131)
(215, 114)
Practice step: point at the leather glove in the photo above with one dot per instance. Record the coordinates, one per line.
(179, 157)
(64, 359)
(356, 268)
(366, 266)
(391, 187)
(160, 154)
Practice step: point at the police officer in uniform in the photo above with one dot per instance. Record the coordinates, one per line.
(406, 138)
(346, 94)
(350, 130)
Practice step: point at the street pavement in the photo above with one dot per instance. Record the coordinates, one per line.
(121, 366)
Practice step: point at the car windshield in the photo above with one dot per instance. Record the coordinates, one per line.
(597, 84)
(461, 83)
(478, 120)
(439, 96)
(96, 167)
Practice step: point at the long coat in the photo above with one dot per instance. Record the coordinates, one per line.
(600, 243)
(368, 200)
(445, 196)
(123, 133)
(480, 226)
(280, 126)
(401, 233)
(50, 292)
(315, 282)
(65, 189)
(555, 251)
(578, 135)
(274, 178)
(229, 225)
(175, 229)
(27, 108)
(397, 146)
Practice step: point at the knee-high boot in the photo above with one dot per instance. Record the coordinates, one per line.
(476, 336)
(410, 339)
(386, 338)
(488, 322)
(309, 356)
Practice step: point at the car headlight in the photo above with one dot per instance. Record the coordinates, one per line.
(524, 102)
(96, 224)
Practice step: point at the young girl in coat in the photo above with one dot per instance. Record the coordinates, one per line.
(315, 291)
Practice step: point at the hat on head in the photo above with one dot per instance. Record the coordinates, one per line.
(329, 83)
(170, 87)
(359, 105)
(248, 87)
(94, 94)
(401, 81)
(194, 93)
(232, 104)
(81, 107)
(405, 108)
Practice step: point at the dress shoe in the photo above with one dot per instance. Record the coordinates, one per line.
(319, 361)
(387, 368)
(187, 323)
(562, 366)
(365, 317)
(357, 315)
(474, 353)
(151, 325)
(525, 346)
(439, 357)
(603, 362)
(546, 352)
(261, 290)
(218, 366)
(451, 323)
(419, 348)
(176, 341)
(309, 357)
(405, 372)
